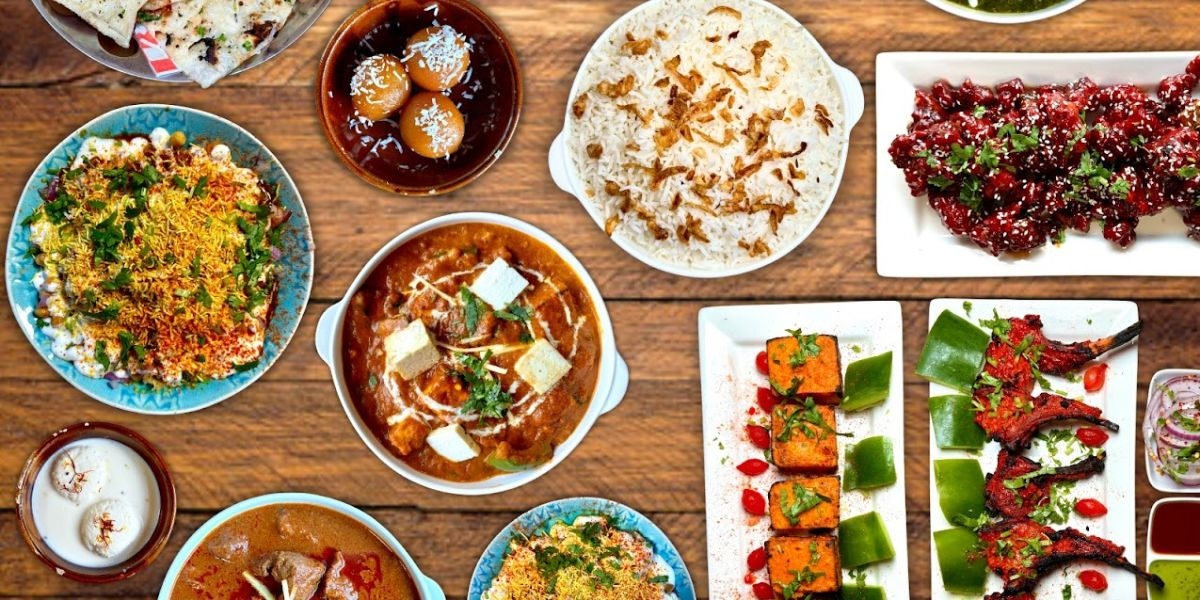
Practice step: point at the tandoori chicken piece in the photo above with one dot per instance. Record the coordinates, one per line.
(1012, 417)
(1021, 551)
(1020, 485)
(1023, 346)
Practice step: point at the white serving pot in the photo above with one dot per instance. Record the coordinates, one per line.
(611, 383)
(562, 169)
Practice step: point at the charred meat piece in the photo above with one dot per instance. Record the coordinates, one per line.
(302, 573)
(1021, 551)
(1009, 358)
(1020, 485)
(337, 585)
(1012, 417)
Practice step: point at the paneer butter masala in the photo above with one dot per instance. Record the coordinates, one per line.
(472, 350)
(299, 551)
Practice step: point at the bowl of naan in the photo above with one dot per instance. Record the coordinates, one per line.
(180, 41)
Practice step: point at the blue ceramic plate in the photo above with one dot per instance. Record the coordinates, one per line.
(566, 510)
(295, 268)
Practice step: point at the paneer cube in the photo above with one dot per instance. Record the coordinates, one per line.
(499, 284)
(804, 503)
(542, 366)
(804, 439)
(406, 431)
(452, 443)
(410, 351)
(806, 366)
(804, 565)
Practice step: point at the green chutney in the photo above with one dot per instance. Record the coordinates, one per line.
(1182, 579)
(1009, 6)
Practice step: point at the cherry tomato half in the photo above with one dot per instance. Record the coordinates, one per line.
(1093, 580)
(767, 399)
(759, 436)
(763, 591)
(757, 559)
(1091, 508)
(1093, 378)
(754, 503)
(754, 466)
(1091, 436)
(760, 361)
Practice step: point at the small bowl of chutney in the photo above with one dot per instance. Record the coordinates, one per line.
(1006, 11)
(419, 97)
(1173, 549)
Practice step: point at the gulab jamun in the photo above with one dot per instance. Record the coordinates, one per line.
(431, 125)
(437, 57)
(380, 87)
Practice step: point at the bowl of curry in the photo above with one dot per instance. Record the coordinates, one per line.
(295, 546)
(472, 353)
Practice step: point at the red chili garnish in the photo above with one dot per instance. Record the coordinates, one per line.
(767, 399)
(754, 503)
(763, 591)
(1093, 378)
(1091, 508)
(757, 559)
(1091, 436)
(754, 467)
(1093, 580)
(759, 436)
(760, 361)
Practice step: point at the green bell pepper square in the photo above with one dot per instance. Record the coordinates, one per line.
(864, 540)
(953, 422)
(960, 487)
(870, 464)
(964, 570)
(868, 382)
(866, 592)
(953, 353)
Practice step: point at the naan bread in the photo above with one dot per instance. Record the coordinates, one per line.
(208, 39)
(112, 18)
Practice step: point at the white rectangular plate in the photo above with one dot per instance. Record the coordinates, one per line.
(730, 338)
(1066, 321)
(910, 238)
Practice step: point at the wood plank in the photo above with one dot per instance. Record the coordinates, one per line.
(351, 220)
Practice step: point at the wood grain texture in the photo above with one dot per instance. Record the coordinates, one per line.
(288, 432)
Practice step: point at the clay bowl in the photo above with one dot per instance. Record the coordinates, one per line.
(489, 97)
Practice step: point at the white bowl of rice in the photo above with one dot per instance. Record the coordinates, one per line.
(707, 137)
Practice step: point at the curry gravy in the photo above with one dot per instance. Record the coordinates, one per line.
(424, 279)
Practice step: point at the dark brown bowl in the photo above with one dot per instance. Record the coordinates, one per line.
(166, 493)
(491, 110)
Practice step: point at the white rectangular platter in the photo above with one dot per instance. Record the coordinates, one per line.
(730, 338)
(1066, 321)
(910, 238)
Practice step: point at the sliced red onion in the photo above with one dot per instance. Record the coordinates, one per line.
(276, 253)
(1165, 434)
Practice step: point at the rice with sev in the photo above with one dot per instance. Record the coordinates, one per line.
(588, 558)
(157, 260)
(707, 132)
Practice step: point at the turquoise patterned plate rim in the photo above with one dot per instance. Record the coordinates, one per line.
(295, 267)
(567, 510)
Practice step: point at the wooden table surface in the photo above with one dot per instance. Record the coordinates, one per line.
(288, 433)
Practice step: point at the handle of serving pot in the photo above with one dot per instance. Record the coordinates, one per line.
(325, 327)
(620, 385)
(852, 90)
(430, 590)
(558, 163)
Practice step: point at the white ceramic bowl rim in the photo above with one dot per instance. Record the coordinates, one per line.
(563, 168)
(427, 588)
(1005, 18)
(610, 381)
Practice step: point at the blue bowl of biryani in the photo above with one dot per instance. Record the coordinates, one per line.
(160, 259)
(608, 551)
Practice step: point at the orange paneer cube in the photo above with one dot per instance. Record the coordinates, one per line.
(804, 438)
(804, 503)
(805, 366)
(804, 565)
